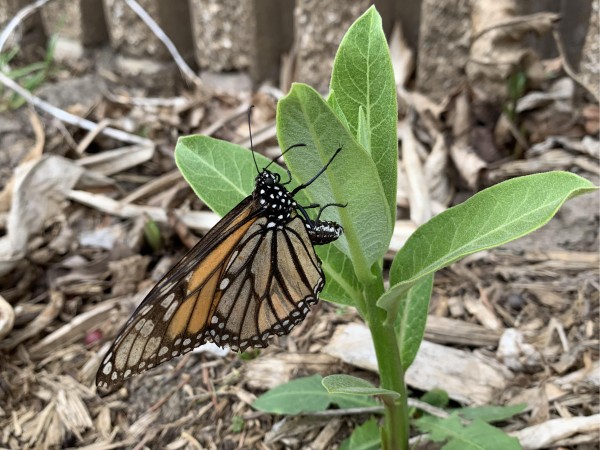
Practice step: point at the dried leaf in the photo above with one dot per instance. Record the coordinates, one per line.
(38, 194)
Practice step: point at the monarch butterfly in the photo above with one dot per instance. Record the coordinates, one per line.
(252, 276)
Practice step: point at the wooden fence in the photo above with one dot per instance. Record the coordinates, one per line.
(258, 36)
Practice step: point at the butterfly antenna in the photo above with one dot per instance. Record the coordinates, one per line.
(319, 173)
(251, 145)
(284, 152)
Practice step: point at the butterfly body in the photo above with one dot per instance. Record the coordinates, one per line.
(254, 275)
(273, 197)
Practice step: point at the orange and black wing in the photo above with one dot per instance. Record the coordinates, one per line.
(268, 285)
(243, 282)
(174, 313)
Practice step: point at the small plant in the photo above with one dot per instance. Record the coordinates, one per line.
(360, 115)
(30, 77)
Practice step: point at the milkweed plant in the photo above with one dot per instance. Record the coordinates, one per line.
(360, 115)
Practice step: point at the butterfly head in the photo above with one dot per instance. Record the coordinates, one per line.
(274, 197)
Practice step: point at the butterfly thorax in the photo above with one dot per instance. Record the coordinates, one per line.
(274, 198)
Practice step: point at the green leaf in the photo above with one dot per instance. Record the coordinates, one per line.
(332, 102)
(346, 384)
(491, 413)
(436, 397)
(152, 235)
(347, 401)
(305, 395)
(364, 133)
(412, 318)
(237, 424)
(304, 117)
(220, 173)
(363, 77)
(300, 395)
(476, 436)
(490, 218)
(364, 437)
(341, 284)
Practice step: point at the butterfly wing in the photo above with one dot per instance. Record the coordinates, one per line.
(268, 285)
(161, 326)
(243, 282)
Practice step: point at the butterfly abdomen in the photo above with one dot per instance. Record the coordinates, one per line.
(323, 232)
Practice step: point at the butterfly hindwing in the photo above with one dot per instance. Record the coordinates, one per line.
(272, 279)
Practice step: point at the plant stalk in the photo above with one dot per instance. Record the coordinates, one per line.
(395, 431)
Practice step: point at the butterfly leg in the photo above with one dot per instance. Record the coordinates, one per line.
(303, 209)
(289, 177)
(339, 205)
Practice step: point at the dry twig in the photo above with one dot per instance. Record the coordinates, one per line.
(17, 19)
(61, 115)
(160, 34)
(568, 69)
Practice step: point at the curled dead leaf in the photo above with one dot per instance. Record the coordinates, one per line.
(38, 193)
(7, 318)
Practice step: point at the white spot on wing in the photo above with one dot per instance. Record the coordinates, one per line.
(233, 257)
(139, 325)
(167, 300)
(147, 328)
(169, 313)
(135, 353)
(122, 352)
(107, 368)
(151, 347)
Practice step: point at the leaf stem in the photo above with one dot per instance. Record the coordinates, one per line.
(395, 432)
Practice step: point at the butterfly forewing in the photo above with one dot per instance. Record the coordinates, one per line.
(159, 329)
